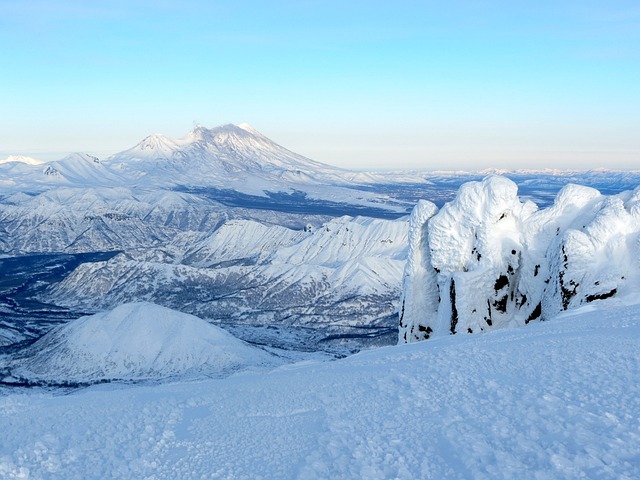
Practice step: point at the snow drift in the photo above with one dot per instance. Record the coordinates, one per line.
(135, 341)
(488, 260)
(556, 400)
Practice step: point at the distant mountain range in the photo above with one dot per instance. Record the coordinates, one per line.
(228, 225)
(228, 158)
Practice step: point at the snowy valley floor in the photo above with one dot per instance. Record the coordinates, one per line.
(559, 399)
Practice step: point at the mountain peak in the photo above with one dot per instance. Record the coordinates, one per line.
(243, 128)
(137, 341)
(156, 142)
(248, 128)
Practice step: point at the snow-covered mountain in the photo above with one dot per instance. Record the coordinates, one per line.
(345, 274)
(222, 160)
(228, 225)
(488, 260)
(225, 152)
(162, 187)
(135, 341)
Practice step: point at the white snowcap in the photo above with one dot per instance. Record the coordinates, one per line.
(22, 159)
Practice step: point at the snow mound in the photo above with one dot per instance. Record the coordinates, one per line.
(487, 260)
(135, 341)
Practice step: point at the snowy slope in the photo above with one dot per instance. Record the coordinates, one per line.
(135, 341)
(347, 272)
(239, 158)
(162, 187)
(83, 169)
(556, 400)
(493, 261)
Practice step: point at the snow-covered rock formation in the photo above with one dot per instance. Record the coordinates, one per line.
(133, 342)
(488, 260)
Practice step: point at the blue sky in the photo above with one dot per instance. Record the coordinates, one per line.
(360, 84)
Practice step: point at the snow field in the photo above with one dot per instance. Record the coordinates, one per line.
(559, 399)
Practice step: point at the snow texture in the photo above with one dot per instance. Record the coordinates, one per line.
(492, 261)
(135, 341)
(556, 400)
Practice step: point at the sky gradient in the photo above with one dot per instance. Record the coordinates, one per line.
(358, 84)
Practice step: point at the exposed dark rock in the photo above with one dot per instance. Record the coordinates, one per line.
(454, 310)
(566, 292)
(501, 305)
(501, 282)
(535, 314)
(601, 296)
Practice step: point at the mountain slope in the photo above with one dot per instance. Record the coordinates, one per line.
(556, 400)
(237, 163)
(132, 342)
(237, 158)
(345, 274)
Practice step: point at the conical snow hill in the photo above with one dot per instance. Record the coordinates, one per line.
(135, 341)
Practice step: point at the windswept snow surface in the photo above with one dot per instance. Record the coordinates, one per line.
(555, 400)
(135, 341)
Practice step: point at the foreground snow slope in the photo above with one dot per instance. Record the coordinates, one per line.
(558, 399)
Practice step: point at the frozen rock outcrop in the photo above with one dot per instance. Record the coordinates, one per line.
(420, 288)
(488, 260)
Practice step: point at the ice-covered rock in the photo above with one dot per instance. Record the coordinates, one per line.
(488, 260)
(420, 287)
(132, 342)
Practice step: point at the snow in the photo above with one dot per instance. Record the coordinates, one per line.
(554, 400)
(21, 159)
(347, 271)
(135, 341)
(493, 261)
(228, 157)
(419, 294)
(236, 157)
